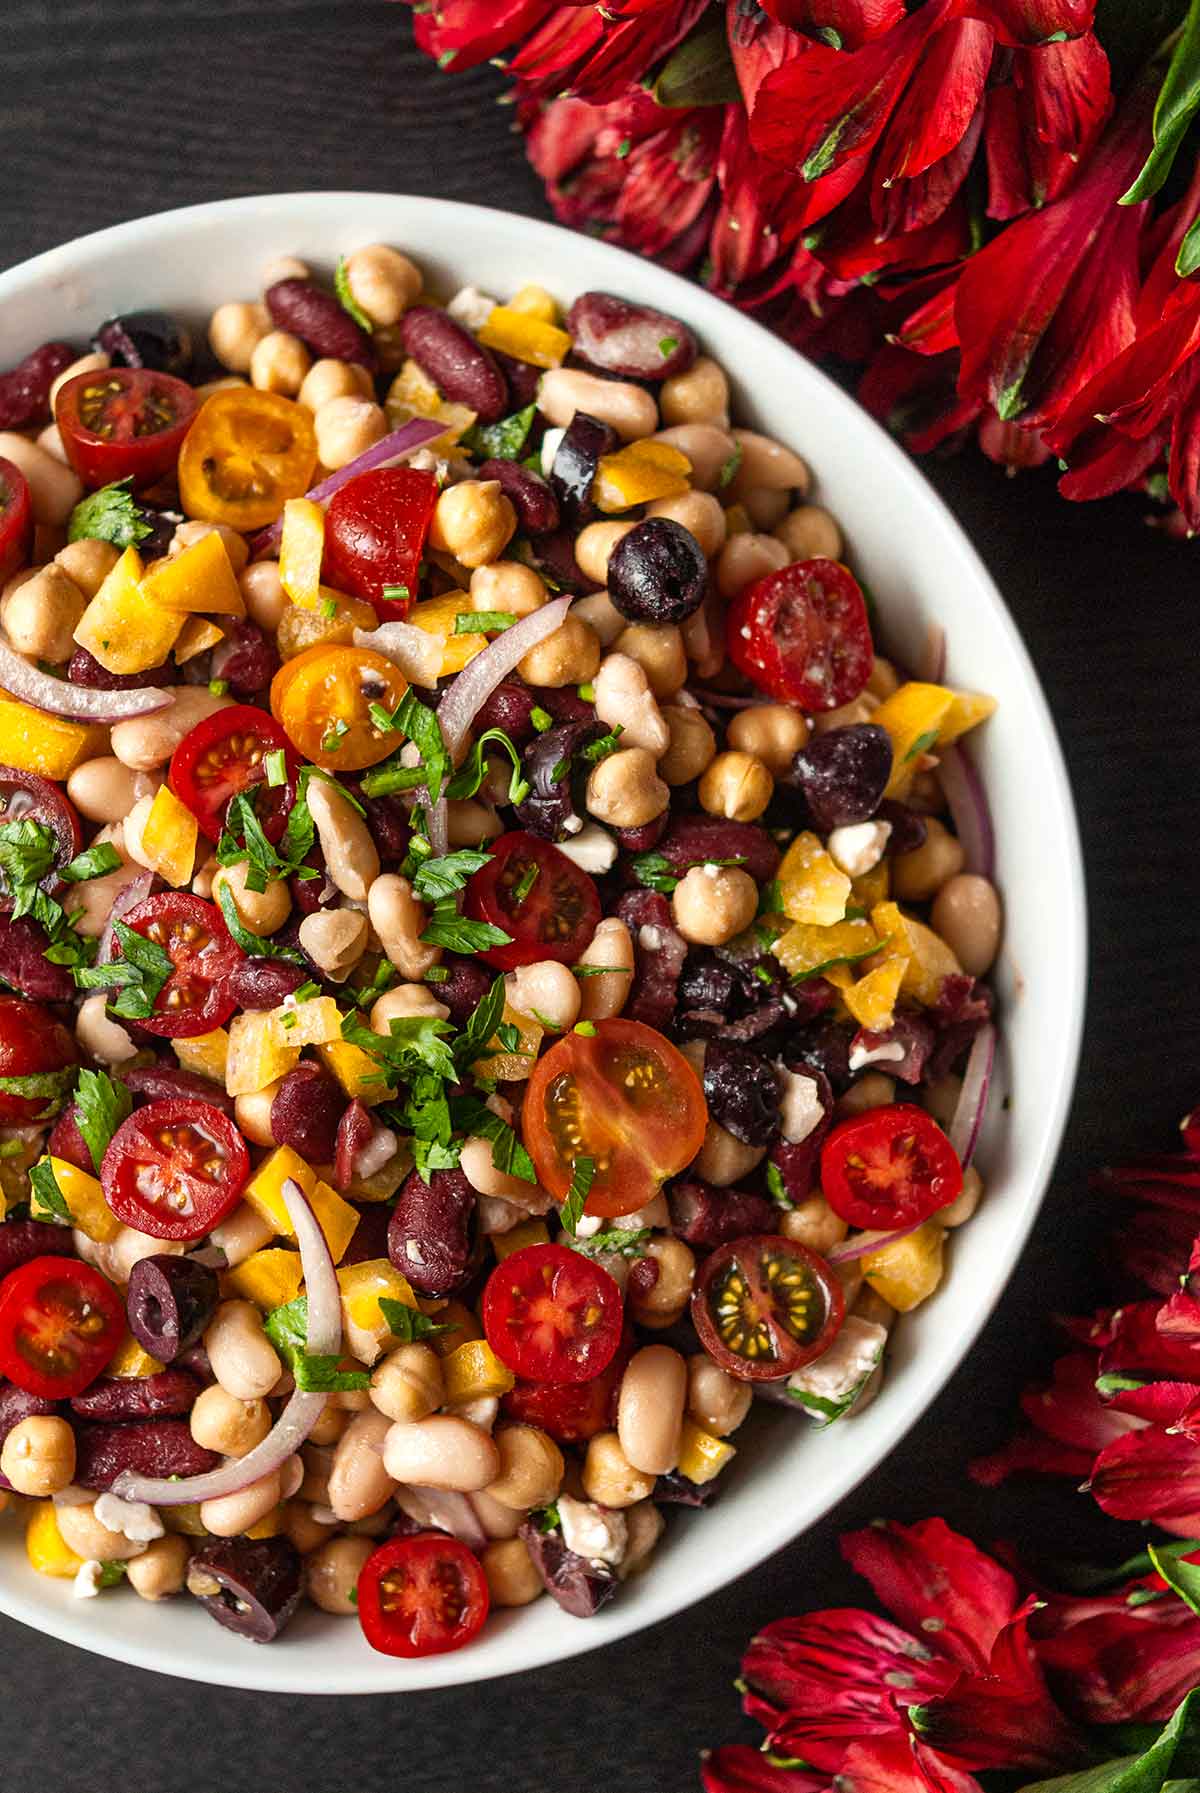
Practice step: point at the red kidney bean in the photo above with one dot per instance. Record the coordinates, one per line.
(466, 984)
(522, 376)
(263, 983)
(656, 970)
(84, 669)
(15, 1405)
(370, 1239)
(260, 1580)
(631, 340)
(640, 840)
(318, 320)
(581, 1587)
(195, 1359)
(704, 1217)
(461, 368)
(354, 1130)
(387, 821)
(430, 1233)
(25, 388)
(643, 1275)
(311, 894)
(152, 1447)
(564, 703)
(908, 828)
(690, 840)
(66, 1141)
(553, 556)
(23, 1240)
(24, 965)
(532, 499)
(246, 660)
(167, 1394)
(163, 1083)
(308, 1106)
(510, 707)
(168, 1304)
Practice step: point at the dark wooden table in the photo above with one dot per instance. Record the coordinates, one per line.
(113, 108)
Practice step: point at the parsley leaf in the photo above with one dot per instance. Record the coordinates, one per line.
(473, 771)
(777, 1189)
(102, 1105)
(655, 871)
(346, 299)
(509, 1156)
(314, 1373)
(729, 469)
(922, 744)
(47, 1200)
(483, 622)
(460, 933)
(28, 851)
(437, 878)
(481, 1026)
(583, 1173)
(414, 1043)
(409, 1324)
(501, 441)
(255, 946)
(420, 725)
(109, 515)
(137, 975)
(628, 1243)
(547, 1519)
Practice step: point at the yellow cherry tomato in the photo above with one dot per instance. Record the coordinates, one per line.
(246, 454)
(323, 699)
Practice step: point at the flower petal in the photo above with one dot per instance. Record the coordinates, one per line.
(1071, 1410)
(1036, 21)
(736, 1768)
(937, 1583)
(473, 31)
(1029, 1454)
(1154, 1245)
(1151, 1474)
(1123, 1667)
(854, 22)
(900, 1765)
(939, 102)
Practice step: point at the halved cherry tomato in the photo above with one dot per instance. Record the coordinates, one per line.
(24, 797)
(536, 894)
(891, 1167)
(247, 453)
(323, 699)
(624, 1097)
(764, 1306)
(174, 1169)
(571, 1412)
(124, 423)
(803, 635)
(37, 1062)
(193, 935)
(375, 530)
(60, 1324)
(421, 1596)
(226, 754)
(16, 520)
(552, 1315)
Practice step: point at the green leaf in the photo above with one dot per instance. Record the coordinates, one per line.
(437, 878)
(509, 1156)
(547, 1519)
(1187, 262)
(346, 299)
(483, 622)
(418, 724)
(109, 515)
(93, 863)
(482, 1024)
(502, 441)
(1183, 1577)
(1177, 104)
(47, 1199)
(102, 1104)
(255, 946)
(655, 871)
(314, 1373)
(583, 1175)
(626, 1244)
(28, 852)
(700, 72)
(48, 1087)
(473, 771)
(413, 1044)
(138, 974)
(776, 1189)
(409, 1324)
(1148, 1772)
(460, 933)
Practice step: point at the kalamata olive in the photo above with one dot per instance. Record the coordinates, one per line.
(576, 460)
(657, 573)
(824, 1045)
(15, 1405)
(308, 1105)
(245, 659)
(25, 388)
(553, 556)
(695, 840)
(677, 1490)
(742, 1092)
(431, 1233)
(659, 953)
(462, 990)
(915, 1037)
(964, 1005)
(307, 311)
(557, 770)
(842, 775)
(461, 368)
(908, 828)
(195, 1361)
(169, 1302)
(146, 339)
(166, 1083)
(259, 1582)
(23, 1240)
(163, 524)
(797, 1160)
(84, 669)
(24, 965)
(564, 703)
(533, 500)
(167, 1394)
(627, 339)
(580, 1586)
(705, 1217)
(370, 1238)
(151, 1447)
(264, 983)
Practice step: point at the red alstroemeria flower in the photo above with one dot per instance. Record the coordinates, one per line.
(1043, 122)
(1036, 21)
(851, 23)
(897, 1765)
(1123, 1657)
(597, 53)
(459, 34)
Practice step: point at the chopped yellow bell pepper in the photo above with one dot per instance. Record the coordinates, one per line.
(811, 887)
(264, 1192)
(311, 1023)
(640, 473)
(267, 1278)
(536, 302)
(913, 717)
(129, 1361)
(197, 635)
(169, 838)
(255, 1057)
(929, 960)
(269, 1526)
(968, 710)
(412, 394)
(871, 887)
(701, 1456)
(473, 1372)
(47, 1549)
(35, 741)
(525, 337)
(301, 549)
(908, 1272)
(185, 1519)
(85, 1199)
(205, 1053)
(300, 629)
(436, 616)
(502, 1066)
(356, 1071)
(201, 578)
(121, 627)
(804, 950)
(872, 1000)
(383, 1183)
(367, 1333)
(529, 1232)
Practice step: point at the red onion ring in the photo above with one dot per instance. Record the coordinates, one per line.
(932, 664)
(302, 1411)
(444, 1512)
(963, 1131)
(128, 897)
(413, 434)
(861, 1246)
(968, 805)
(417, 652)
(58, 697)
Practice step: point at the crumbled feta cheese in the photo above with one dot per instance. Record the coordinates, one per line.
(858, 848)
(711, 869)
(573, 823)
(323, 1515)
(649, 937)
(374, 1155)
(550, 442)
(801, 1108)
(597, 1533)
(86, 1584)
(891, 1052)
(471, 307)
(593, 849)
(655, 1213)
(132, 1518)
(587, 1226)
(829, 1385)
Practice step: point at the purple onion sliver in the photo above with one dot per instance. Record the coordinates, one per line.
(720, 700)
(127, 898)
(81, 703)
(963, 1131)
(863, 1245)
(969, 810)
(931, 668)
(413, 434)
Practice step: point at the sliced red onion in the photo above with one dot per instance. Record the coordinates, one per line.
(417, 652)
(413, 434)
(302, 1411)
(720, 700)
(963, 1131)
(58, 697)
(445, 1512)
(931, 668)
(863, 1244)
(127, 898)
(968, 804)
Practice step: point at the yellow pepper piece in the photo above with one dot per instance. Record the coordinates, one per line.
(502, 1066)
(929, 960)
(84, 1197)
(301, 629)
(196, 635)
(811, 887)
(267, 1278)
(804, 950)
(412, 394)
(169, 838)
(200, 578)
(130, 1362)
(269, 1526)
(908, 1272)
(264, 1192)
(436, 616)
(35, 741)
(45, 1546)
(872, 1000)
(640, 473)
(367, 1333)
(356, 1071)
(301, 549)
(530, 1232)
(701, 1456)
(185, 1519)
(525, 337)
(535, 302)
(968, 710)
(205, 1053)
(121, 627)
(311, 1023)
(871, 887)
(255, 1056)
(913, 717)
(473, 1372)
(383, 1183)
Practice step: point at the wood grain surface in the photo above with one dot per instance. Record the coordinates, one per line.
(112, 108)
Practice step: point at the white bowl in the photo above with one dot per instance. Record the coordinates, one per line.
(922, 569)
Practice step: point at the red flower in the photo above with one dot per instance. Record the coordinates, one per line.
(845, 23)
(1043, 122)
(1127, 1656)
(598, 53)
(1037, 21)
(462, 33)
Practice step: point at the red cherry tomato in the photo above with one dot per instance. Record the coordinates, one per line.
(421, 1596)
(193, 934)
(226, 754)
(37, 1062)
(174, 1169)
(891, 1167)
(375, 530)
(803, 635)
(16, 520)
(571, 1412)
(536, 894)
(24, 797)
(60, 1324)
(624, 1097)
(764, 1306)
(552, 1315)
(124, 423)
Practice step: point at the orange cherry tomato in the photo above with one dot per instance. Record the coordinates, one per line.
(323, 699)
(624, 1097)
(246, 454)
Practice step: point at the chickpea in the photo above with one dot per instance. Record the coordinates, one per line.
(737, 786)
(966, 913)
(871, 1090)
(712, 903)
(242, 1357)
(918, 876)
(41, 614)
(691, 746)
(884, 679)
(299, 1525)
(810, 533)
(330, 1425)
(469, 823)
(630, 409)
(223, 383)
(86, 364)
(221, 1422)
(860, 709)
(609, 1478)
(940, 1099)
(329, 379)
(265, 599)
(261, 912)
(146, 742)
(700, 513)
(925, 795)
(402, 1002)
(722, 1159)
(531, 1468)
(335, 940)
(599, 612)
(278, 363)
(775, 733)
(54, 489)
(965, 1203)
(593, 545)
(509, 1569)
(715, 1400)
(611, 946)
(398, 919)
(624, 700)
(100, 1037)
(659, 651)
(813, 1223)
(473, 521)
(408, 1385)
(160, 1570)
(346, 428)
(570, 656)
(709, 448)
(546, 991)
(350, 856)
(672, 1290)
(331, 1574)
(38, 1456)
(382, 282)
(83, 1533)
(88, 563)
(195, 529)
(746, 558)
(650, 1408)
(766, 463)
(507, 585)
(235, 331)
(701, 395)
(625, 791)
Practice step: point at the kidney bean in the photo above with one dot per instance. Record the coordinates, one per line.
(511, 708)
(15, 1405)
(263, 983)
(66, 1141)
(318, 320)
(742, 1092)
(465, 987)
(25, 388)
(165, 1395)
(704, 1217)
(308, 1105)
(690, 840)
(908, 828)
(354, 1130)
(168, 1303)
(461, 368)
(154, 1447)
(310, 894)
(656, 968)
(387, 821)
(23, 1240)
(370, 1238)
(523, 379)
(23, 963)
(163, 1083)
(553, 556)
(564, 703)
(532, 499)
(195, 1359)
(640, 840)
(618, 337)
(84, 669)
(675, 1489)
(430, 1235)
(580, 1587)
(245, 659)
(260, 1582)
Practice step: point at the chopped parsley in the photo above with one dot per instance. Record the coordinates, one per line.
(334, 735)
(602, 970)
(483, 622)
(460, 933)
(29, 853)
(433, 879)
(586, 1028)
(255, 946)
(729, 469)
(583, 1174)
(419, 724)
(541, 719)
(102, 1105)
(626, 1244)
(547, 1519)
(657, 872)
(275, 766)
(396, 594)
(921, 745)
(777, 1189)
(667, 346)
(137, 974)
(314, 1373)
(526, 882)
(473, 771)
(409, 1324)
(346, 299)
(109, 515)
(501, 441)
(47, 1201)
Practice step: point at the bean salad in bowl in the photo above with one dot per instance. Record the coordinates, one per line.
(496, 954)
